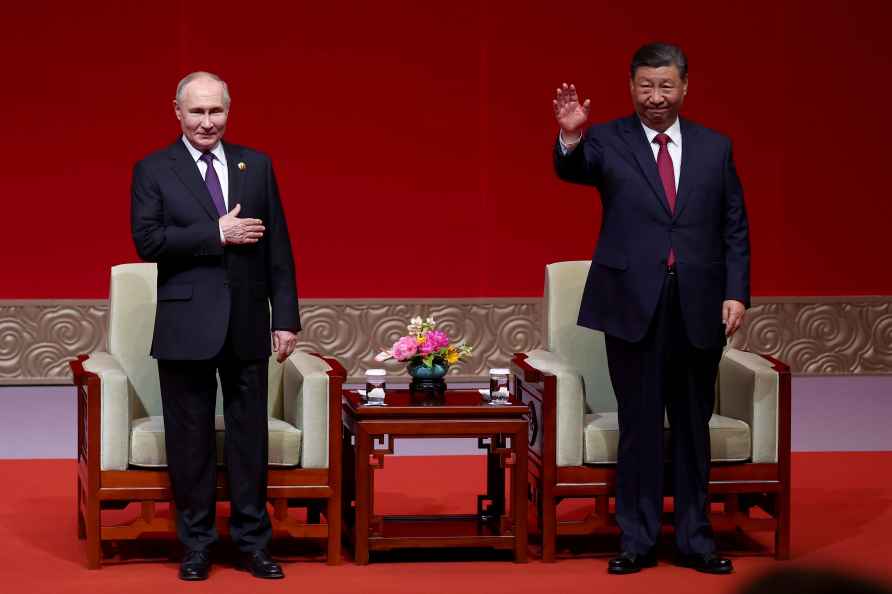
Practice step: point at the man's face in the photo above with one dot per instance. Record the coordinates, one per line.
(202, 113)
(657, 94)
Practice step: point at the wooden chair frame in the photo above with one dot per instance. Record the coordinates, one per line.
(318, 489)
(741, 486)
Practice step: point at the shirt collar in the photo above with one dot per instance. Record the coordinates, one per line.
(673, 132)
(217, 151)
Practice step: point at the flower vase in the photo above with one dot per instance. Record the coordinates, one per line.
(427, 383)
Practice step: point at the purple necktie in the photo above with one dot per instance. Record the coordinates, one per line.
(213, 183)
(667, 175)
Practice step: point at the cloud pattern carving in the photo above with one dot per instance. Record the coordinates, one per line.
(850, 336)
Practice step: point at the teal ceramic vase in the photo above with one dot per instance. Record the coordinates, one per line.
(427, 382)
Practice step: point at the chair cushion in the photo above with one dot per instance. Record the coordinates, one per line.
(147, 442)
(730, 439)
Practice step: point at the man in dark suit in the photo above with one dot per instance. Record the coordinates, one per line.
(209, 214)
(669, 281)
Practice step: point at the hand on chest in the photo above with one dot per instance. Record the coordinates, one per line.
(190, 196)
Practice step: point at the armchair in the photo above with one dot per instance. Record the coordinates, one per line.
(120, 447)
(574, 428)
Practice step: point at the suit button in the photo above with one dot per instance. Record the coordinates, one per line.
(226, 284)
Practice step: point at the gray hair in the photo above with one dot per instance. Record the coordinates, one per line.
(201, 74)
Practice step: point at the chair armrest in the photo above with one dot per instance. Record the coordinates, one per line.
(115, 410)
(306, 405)
(569, 404)
(750, 389)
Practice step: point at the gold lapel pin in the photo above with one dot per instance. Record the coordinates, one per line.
(242, 166)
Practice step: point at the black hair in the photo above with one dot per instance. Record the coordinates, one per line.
(655, 55)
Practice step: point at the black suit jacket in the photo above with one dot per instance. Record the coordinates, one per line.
(708, 230)
(206, 290)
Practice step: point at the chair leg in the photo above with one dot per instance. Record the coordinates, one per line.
(782, 532)
(81, 525)
(93, 530)
(333, 515)
(548, 523)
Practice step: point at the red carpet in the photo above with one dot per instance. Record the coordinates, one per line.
(842, 504)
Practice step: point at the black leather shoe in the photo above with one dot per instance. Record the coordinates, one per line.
(707, 563)
(195, 566)
(631, 562)
(261, 565)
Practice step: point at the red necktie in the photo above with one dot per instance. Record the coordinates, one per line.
(667, 175)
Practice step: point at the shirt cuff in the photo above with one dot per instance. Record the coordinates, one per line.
(565, 150)
(222, 238)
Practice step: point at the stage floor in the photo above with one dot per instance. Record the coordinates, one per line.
(842, 517)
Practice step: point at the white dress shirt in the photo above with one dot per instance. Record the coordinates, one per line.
(674, 146)
(219, 167)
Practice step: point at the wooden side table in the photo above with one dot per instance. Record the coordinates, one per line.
(370, 434)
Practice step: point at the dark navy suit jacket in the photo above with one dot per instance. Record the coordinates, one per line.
(708, 231)
(207, 290)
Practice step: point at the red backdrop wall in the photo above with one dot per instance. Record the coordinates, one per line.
(412, 140)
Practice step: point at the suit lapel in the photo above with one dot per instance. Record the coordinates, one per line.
(233, 158)
(634, 136)
(689, 151)
(185, 169)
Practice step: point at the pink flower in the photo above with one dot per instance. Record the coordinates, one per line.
(439, 339)
(434, 340)
(405, 348)
(427, 347)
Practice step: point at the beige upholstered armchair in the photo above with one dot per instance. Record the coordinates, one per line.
(574, 429)
(121, 457)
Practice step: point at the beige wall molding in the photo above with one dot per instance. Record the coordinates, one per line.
(822, 335)
(814, 335)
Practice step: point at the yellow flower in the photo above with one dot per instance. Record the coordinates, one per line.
(419, 339)
(452, 357)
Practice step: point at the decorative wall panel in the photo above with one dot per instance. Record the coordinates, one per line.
(38, 337)
(822, 335)
(814, 335)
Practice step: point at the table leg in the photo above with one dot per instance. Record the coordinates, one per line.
(519, 494)
(348, 493)
(495, 479)
(363, 497)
